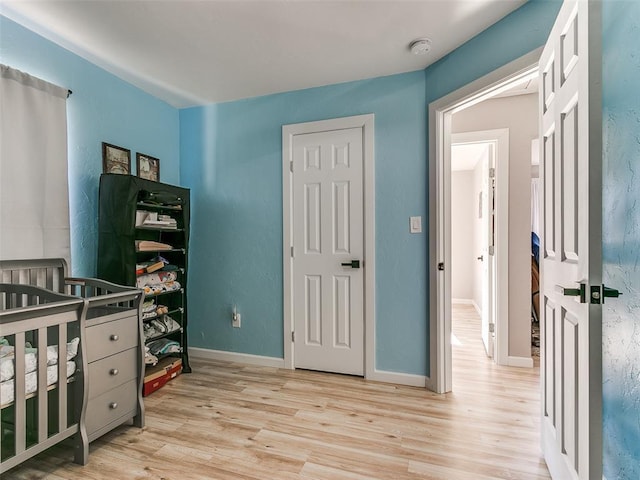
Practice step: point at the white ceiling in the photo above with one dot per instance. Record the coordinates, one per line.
(196, 52)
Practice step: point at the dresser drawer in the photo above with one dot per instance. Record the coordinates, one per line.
(109, 372)
(111, 406)
(111, 337)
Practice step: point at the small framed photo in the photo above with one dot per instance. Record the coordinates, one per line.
(148, 167)
(115, 159)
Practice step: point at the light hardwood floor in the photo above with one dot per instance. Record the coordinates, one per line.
(232, 421)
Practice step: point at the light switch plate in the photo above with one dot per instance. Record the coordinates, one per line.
(415, 224)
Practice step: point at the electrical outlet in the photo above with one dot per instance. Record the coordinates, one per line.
(235, 322)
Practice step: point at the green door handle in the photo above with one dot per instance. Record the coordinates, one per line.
(574, 292)
(352, 264)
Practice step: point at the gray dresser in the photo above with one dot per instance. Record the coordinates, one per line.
(115, 365)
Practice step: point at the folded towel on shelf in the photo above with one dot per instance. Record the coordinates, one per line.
(151, 246)
(160, 326)
(161, 287)
(157, 277)
(165, 324)
(163, 346)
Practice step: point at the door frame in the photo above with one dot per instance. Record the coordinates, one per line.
(499, 138)
(366, 123)
(440, 113)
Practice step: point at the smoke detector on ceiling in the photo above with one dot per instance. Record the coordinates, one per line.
(420, 46)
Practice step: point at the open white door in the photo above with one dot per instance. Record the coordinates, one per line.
(571, 263)
(488, 250)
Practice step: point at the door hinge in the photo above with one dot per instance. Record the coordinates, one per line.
(492, 328)
(441, 266)
(492, 173)
(291, 251)
(291, 166)
(293, 337)
(491, 250)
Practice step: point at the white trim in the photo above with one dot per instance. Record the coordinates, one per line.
(524, 362)
(500, 139)
(467, 301)
(440, 112)
(366, 123)
(475, 305)
(398, 378)
(236, 357)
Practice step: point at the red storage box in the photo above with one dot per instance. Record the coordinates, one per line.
(157, 376)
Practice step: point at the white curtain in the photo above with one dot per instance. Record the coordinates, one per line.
(34, 191)
(535, 206)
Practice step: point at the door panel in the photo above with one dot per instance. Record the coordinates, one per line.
(342, 312)
(549, 179)
(312, 200)
(569, 192)
(570, 127)
(327, 232)
(313, 310)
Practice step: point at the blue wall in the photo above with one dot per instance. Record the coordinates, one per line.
(231, 159)
(103, 108)
(621, 238)
(517, 34)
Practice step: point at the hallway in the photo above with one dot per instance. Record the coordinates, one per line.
(506, 398)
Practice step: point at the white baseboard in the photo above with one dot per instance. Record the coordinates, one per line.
(524, 362)
(236, 357)
(466, 301)
(377, 376)
(462, 301)
(398, 378)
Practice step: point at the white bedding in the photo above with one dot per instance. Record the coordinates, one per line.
(7, 389)
(7, 367)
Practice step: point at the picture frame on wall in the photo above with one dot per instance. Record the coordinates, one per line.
(116, 159)
(148, 167)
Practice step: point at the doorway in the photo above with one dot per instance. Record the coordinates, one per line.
(442, 115)
(328, 245)
(479, 221)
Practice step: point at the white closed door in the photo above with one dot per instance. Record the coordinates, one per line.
(571, 259)
(328, 251)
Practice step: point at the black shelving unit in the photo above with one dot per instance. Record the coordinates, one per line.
(121, 196)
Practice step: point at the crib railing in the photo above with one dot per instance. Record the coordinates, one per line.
(31, 423)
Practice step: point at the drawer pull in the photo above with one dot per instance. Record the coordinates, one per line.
(114, 371)
(114, 338)
(113, 405)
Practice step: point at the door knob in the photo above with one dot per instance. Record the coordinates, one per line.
(481, 257)
(598, 296)
(352, 264)
(574, 292)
